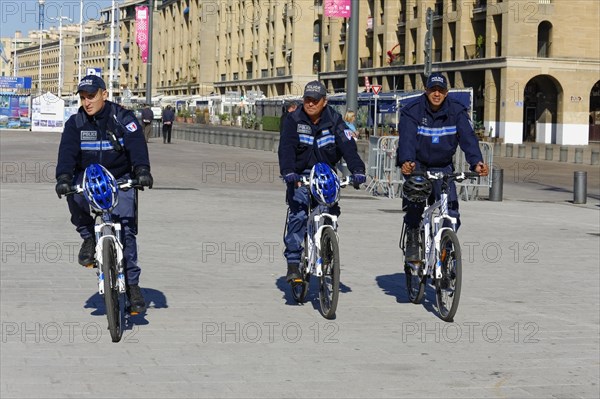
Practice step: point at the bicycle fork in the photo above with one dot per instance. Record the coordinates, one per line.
(319, 223)
(100, 240)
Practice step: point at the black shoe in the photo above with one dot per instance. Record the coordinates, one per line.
(87, 253)
(412, 249)
(136, 300)
(293, 274)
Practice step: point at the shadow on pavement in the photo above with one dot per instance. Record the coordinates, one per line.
(155, 299)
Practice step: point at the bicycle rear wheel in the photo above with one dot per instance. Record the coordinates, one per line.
(415, 283)
(330, 280)
(415, 280)
(113, 300)
(299, 290)
(448, 287)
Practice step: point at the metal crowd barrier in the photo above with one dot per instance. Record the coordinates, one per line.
(470, 189)
(386, 178)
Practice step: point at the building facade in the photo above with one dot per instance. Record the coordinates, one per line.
(534, 65)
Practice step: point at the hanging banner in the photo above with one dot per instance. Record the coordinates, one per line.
(337, 8)
(141, 31)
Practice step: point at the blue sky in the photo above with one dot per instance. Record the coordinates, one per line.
(23, 14)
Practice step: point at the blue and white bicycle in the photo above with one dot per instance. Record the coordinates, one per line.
(320, 254)
(440, 254)
(101, 191)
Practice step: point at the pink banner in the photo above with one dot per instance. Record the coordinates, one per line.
(141, 31)
(337, 8)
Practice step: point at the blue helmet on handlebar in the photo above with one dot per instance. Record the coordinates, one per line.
(324, 184)
(100, 187)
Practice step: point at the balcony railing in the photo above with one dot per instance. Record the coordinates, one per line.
(366, 62)
(339, 65)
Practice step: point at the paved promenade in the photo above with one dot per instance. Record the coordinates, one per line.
(221, 322)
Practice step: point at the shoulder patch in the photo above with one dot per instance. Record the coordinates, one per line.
(348, 134)
(132, 127)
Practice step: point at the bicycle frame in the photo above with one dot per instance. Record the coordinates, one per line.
(106, 222)
(115, 237)
(434, 216)
(315, 225)
(432, 224)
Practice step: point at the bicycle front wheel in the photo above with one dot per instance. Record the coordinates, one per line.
(448, 287)
(112, 298)
(330, 280)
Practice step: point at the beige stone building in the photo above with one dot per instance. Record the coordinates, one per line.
(534, 65)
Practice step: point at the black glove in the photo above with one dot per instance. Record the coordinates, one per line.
(358, 179)
(63, 184)
(291, 178)
(142, 173)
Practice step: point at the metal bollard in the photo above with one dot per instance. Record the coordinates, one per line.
(522, 149)
(578, 155)
(535, 152)
(549, 153)
(595, 159)
(509, 150)
(564, 153)
(579, 187)
(497, 184)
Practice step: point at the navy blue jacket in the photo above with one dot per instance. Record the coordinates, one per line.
(431, 138)
(85, 140)
(302, 144)
(168, 115)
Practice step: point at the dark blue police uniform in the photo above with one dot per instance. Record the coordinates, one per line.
(113, 138)
(430, 139)
(302, 145)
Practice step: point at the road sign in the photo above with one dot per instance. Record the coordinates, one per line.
(376, 89)
(94, 71)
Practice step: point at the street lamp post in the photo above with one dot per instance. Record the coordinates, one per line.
(60, 53)
(80, 40)
(41, 25)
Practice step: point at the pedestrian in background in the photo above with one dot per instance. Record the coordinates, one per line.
(147, 117)
(350, 118)
(168, 117)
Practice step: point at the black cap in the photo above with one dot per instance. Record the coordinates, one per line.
(315, 89)
(91, 84)
(437, 79)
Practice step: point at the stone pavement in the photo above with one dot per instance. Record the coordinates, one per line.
(221, 321)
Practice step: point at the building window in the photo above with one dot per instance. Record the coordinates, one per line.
(544, 37)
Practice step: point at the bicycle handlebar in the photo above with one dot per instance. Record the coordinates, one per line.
(345, 181)
(447, 176)
(123, 184)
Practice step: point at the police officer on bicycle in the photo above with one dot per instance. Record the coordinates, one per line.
(431, 128)
(105, 133)
(312, 133)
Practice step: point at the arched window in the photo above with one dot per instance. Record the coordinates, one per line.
(316, 63)
(317, 31)
(544, 39)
